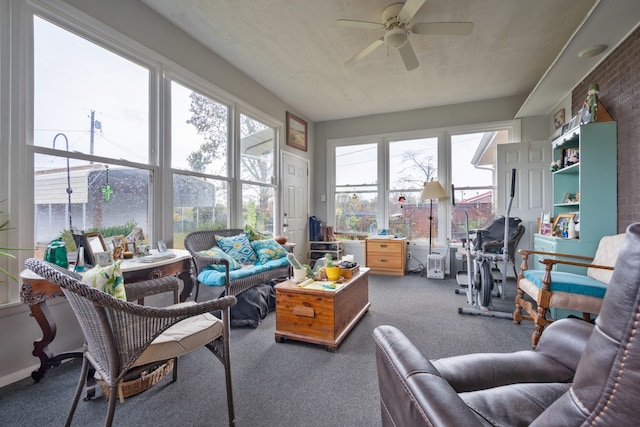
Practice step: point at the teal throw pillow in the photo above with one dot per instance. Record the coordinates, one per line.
(217, 252)
(268, 250)
(107, 279)
(238, 247)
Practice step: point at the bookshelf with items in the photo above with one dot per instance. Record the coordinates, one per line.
(584, 187)
(320, 248)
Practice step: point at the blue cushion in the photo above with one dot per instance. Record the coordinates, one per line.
(238, 247)
(268, 249)
(568, 282)
(217, 252)
(217, 278)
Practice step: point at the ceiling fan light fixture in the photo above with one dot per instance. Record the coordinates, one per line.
(396, 37)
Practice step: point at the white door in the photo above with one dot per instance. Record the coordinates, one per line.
(532, 194)
(295, 203)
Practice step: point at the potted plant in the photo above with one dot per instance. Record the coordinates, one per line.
(333, 271)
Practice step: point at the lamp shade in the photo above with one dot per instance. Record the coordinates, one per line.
(433, 190)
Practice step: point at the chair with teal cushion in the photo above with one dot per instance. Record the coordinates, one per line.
(549, 288)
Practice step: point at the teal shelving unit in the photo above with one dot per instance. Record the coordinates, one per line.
(594, 179)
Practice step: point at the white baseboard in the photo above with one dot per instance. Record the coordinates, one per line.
(17, 376)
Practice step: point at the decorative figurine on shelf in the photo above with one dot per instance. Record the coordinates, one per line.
(592, 101)
(555, 165)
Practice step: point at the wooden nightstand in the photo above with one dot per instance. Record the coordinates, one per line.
(386, 256)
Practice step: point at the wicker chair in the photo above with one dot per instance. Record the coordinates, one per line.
(202, 240)
(123, 335)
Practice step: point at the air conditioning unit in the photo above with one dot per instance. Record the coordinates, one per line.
(435, 266)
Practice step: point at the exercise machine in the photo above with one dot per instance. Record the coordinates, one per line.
(479, 275)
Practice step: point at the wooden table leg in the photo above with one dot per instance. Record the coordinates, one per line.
(47, 324)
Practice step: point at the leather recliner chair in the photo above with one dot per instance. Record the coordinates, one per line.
(579, 374)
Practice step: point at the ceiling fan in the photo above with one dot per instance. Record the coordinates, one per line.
(396, 21)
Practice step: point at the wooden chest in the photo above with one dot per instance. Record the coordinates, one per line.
(321, 316)
(386, 256)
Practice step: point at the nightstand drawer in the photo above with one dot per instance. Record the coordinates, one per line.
(384, 261)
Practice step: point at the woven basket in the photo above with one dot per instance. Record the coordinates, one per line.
(141, 383)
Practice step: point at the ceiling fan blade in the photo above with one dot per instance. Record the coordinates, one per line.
(409, 9)
(447, 28)
(364, 52)
(348, 23)
(408, 57)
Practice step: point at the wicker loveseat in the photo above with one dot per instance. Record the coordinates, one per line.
(240, 280)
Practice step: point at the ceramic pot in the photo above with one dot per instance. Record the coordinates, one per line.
(333, 273)
(299, 274)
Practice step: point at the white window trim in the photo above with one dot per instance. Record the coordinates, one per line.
(513, 128)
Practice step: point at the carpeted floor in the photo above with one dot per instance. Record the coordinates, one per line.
(284, 384)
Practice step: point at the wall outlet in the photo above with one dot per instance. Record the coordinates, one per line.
(409, 254)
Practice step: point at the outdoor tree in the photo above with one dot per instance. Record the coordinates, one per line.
(419, 168)
(256, 150)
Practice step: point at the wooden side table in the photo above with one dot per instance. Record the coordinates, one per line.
(386, 256)
(36, 291)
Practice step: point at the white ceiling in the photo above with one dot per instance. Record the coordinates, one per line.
(291, 48)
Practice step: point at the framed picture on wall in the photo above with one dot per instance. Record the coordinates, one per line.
(296, 132)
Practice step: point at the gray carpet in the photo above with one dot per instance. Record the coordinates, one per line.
(284, 384)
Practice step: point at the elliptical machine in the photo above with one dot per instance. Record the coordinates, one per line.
(479, 277)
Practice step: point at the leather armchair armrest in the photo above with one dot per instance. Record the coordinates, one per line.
(412, 392)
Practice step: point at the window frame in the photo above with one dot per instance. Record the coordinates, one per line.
(443, 135)
(17, 88)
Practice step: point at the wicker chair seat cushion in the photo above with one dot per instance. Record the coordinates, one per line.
(183, 337)
(562, 299)
(108, 279)
(217, 278)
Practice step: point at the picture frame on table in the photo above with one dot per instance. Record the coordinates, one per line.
(120, 241)
(103, 259)
(296, 132)
(162, 246)
(94, 244)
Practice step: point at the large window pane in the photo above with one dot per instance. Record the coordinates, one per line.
(97, 98)
(257, 207)
(199, 132)
(356, 192)
(198, 204)
(411, 164)
(473, 170)
(256, 151)
(111, 199)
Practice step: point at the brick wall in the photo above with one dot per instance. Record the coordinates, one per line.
(619, 80)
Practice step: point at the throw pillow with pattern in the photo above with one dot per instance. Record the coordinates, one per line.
(254, 234)
(268, 249)
(217, 252)
(238, 247)
(107, 279)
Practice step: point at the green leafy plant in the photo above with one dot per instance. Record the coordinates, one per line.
(328, 261)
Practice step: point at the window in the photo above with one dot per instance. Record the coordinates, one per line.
(474, 176)
(199, 158)
(397, 166)
(356, 191)
(257, 159)
(91, 111)
(411, 164)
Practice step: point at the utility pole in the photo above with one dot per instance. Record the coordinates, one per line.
(95, 124)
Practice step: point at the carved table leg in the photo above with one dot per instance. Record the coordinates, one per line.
(187, 277)
(41, 313)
